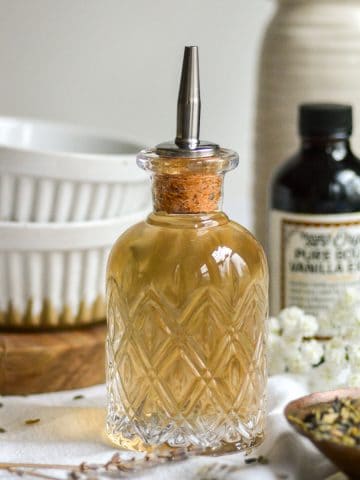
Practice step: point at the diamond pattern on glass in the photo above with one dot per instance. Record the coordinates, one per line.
(189, 374)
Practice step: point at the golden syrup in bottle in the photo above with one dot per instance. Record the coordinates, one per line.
(187, 306)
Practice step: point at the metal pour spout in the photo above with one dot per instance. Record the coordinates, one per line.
(187, 142)
(189, 103)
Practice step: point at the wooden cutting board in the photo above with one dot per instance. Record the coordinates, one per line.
(51, 361)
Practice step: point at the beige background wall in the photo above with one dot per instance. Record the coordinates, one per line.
(114, 64)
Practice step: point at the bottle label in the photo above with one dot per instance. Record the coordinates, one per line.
(313, 259)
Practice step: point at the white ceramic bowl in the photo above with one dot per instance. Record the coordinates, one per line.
(57, 173)
(53, 275)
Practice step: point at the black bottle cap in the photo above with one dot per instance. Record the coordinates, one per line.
(325, 119)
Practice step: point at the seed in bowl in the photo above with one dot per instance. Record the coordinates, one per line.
(338, 421)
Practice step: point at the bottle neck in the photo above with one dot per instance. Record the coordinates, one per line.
(187, 183)
(338, 147)
(187, 193)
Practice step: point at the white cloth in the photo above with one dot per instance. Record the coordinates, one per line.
(71, 431)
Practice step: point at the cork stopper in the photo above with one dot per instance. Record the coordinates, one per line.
(187, 193)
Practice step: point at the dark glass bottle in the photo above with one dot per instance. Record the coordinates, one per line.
(315, 214)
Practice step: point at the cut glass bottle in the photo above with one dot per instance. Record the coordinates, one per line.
(187, 306)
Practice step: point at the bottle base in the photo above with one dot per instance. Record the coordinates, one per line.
(223, 448)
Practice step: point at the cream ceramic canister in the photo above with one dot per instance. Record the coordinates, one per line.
(310, 53)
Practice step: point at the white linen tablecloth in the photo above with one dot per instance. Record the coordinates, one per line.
(71, 431)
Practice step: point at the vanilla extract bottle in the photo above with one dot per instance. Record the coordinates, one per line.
(187, 304)
(315, 214)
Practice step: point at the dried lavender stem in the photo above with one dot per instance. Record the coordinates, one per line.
(7, 466)
(30, 473)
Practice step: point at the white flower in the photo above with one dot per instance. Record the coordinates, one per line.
(296, 324)
(335, 353)
(312, 351)
(295, 361)
(343, 318)
(274, 342)
(328, 364)
(274, 326)
(289, 319)
(308, 326)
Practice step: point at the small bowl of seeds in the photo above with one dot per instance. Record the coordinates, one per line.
(331, 420)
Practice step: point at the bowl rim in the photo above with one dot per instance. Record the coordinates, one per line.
(81, 130)
(32, 161)
(32, 236)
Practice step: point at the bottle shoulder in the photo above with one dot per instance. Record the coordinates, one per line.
(317, 185)
(126, 238)
(243, 232)
(191, 248)
(230, 232)
(300, 168)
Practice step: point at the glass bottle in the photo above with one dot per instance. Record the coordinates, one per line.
(187, 302)
(315, 216)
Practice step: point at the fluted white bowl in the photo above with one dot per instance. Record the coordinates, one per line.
(57, 173)
(53, 275)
